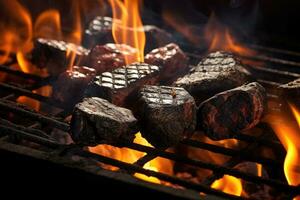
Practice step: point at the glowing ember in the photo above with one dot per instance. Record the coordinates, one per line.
(289, 136)
(131, 156)
(229, 184)
(129, 31)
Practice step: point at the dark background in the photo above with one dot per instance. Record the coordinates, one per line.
(272, 22)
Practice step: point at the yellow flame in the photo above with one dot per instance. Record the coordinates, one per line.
(259, 169)
(229, 185)
(48, 25)
(130, 31)
(289, 136)
(131, 156)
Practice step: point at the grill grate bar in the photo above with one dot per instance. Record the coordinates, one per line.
(7, 105)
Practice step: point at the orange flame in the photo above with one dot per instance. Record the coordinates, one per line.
(129, 31)
(48, 25)
(75, 37)
(229, 185)
(289, 136)
(130, 156)
(219, 37)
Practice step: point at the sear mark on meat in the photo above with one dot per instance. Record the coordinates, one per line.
(226, 114)
(172, 60)
(166, 114)
(51, 54)
(96, 121)
(217, 72)
(121, 85)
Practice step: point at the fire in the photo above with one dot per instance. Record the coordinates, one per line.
(75, 36)
(129, 31)
(48, 25)
(131, 156)
(219, 37)
(289, 136)
(229, 184)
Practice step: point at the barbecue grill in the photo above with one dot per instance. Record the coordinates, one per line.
(26, 142)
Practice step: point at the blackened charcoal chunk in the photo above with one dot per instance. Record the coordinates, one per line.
(252, 190)
(70, 85)
(96, 121)
(166, 114)
(121, 85)
(109, 56)
(172, 60)
(99, 31)
(290, 91)
(217, 72)
(226, 114)
(52, 55)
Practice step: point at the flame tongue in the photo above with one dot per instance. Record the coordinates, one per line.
(229, 185)
(289, 136)
(130, 30)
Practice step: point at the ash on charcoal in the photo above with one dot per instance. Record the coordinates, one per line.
(70, 85)
(121, 85)
(227, 113)
(99, 31)
(166, 114)
(110, 56)
(51, 54)
(217, 72)
(96, 121)
(172, 60)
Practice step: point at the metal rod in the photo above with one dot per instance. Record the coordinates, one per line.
(28, 93)
(7, 105)
(161, 176)
(214, 167)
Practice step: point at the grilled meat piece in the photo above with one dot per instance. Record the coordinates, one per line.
(70, 85)
(121, 85)
(166, 114)
(97, 121)
(52, 55)
(217, 72)
(171, 59)
(226, 114)
(99, 31)
(290, 91)
(109, 56)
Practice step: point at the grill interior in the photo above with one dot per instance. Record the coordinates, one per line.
(22, 127)
(29, 149)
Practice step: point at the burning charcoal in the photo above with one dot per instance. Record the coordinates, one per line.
(227, 113)
(109, 56)
(97, 121)
(70, 85)
(52, 54)
(291, 90)
(100, 31)
(252, 190)
(172, 60)
(216, 73)
(121, 85)
(167, 115)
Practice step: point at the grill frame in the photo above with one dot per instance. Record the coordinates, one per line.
(278, 69)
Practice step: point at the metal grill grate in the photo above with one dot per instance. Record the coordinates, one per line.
(270, 77)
